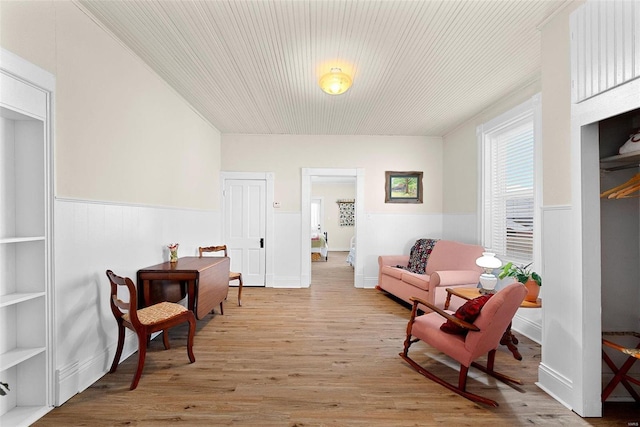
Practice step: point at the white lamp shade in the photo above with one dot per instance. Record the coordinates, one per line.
(488, 261)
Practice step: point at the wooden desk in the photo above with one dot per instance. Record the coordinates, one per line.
(508, 338)
(206, 280)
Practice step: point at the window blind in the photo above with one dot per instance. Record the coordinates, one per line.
(509, 192)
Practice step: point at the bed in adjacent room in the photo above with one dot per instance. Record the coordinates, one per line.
(351, 257)
(319, 246)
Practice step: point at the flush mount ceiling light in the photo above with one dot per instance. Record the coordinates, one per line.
(335, 82)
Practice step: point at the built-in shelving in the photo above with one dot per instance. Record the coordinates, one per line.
(620, 161)
(21, 239)
(26, 309)
(18, 297)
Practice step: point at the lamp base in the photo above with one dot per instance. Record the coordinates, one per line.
(484, 291)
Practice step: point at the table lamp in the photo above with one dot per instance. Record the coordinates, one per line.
(488, 280)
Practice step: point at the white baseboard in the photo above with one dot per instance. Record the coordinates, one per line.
(528, 328)
(286, 282)
(562, 385)
(77, 377)
(370, 282)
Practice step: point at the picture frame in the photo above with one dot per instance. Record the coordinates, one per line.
(403, 187)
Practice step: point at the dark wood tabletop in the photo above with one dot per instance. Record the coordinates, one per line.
(206, 280)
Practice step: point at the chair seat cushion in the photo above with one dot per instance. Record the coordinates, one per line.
(468, 312)
(157, 313)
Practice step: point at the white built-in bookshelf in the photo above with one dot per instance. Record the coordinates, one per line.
(26, 309)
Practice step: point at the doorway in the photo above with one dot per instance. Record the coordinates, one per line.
(587, 261)
(308, 175)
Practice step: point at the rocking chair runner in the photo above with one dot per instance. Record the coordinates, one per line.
(483, 337)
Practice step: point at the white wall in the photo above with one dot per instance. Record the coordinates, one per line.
(461, 191)
(121, 133)
(286, 155)
(92, 237)
(135, 169)
(388, 228)
(557, 368)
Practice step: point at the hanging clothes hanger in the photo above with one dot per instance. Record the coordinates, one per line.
(613, 192)
(625, 192)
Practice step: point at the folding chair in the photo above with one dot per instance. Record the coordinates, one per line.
(621, 376)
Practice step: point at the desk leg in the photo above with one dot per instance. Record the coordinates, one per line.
(146, 287)
(191, 293)
(447, 301)
(510, 341)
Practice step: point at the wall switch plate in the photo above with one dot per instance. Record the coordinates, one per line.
(276, 204)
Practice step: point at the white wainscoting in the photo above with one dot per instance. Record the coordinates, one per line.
(556, 369)
(393, 234)
(383, 234)
(287, 251)
(91, 237)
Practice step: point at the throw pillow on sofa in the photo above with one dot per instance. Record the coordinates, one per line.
(468, 312)
(419, 255)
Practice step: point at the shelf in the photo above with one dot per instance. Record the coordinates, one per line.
(18, 355)
(23, 415)
(621, 161)
(16, 298)
(21, 239)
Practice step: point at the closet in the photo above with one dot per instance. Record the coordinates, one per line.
(604, 287)
(620, 240)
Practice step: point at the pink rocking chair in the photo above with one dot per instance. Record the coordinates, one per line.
(483, 337)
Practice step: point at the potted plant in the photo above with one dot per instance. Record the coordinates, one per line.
(524, 275)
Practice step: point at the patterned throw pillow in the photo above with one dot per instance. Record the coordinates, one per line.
(468, 312)
(419, 255)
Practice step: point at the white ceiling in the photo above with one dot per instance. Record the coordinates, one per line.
(418, 67)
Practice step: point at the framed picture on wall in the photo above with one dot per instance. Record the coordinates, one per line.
(403, 187)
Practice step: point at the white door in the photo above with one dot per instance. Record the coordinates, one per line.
(317, 214)
(245, 228)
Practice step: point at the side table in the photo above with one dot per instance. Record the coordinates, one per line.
(508, 338)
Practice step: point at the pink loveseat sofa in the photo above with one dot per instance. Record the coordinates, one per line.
(450, 264)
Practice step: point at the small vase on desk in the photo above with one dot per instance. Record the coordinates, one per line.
(173, 252)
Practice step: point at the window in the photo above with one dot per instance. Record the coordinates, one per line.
(508, 186)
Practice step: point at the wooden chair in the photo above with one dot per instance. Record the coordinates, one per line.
(145, 321)
(483, 337)
(232, 275)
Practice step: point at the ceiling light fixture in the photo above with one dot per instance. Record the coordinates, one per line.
(335, 82)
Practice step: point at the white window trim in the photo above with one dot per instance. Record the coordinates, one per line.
(531, 106)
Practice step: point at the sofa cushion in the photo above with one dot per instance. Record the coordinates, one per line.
(418, 280)
(468, 312)
(419, 255)
(392, 271)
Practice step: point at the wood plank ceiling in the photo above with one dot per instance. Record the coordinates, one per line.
(252, 67)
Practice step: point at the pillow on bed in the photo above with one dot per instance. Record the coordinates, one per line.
(468, 312)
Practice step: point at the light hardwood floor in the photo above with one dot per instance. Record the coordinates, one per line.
(322, 356)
